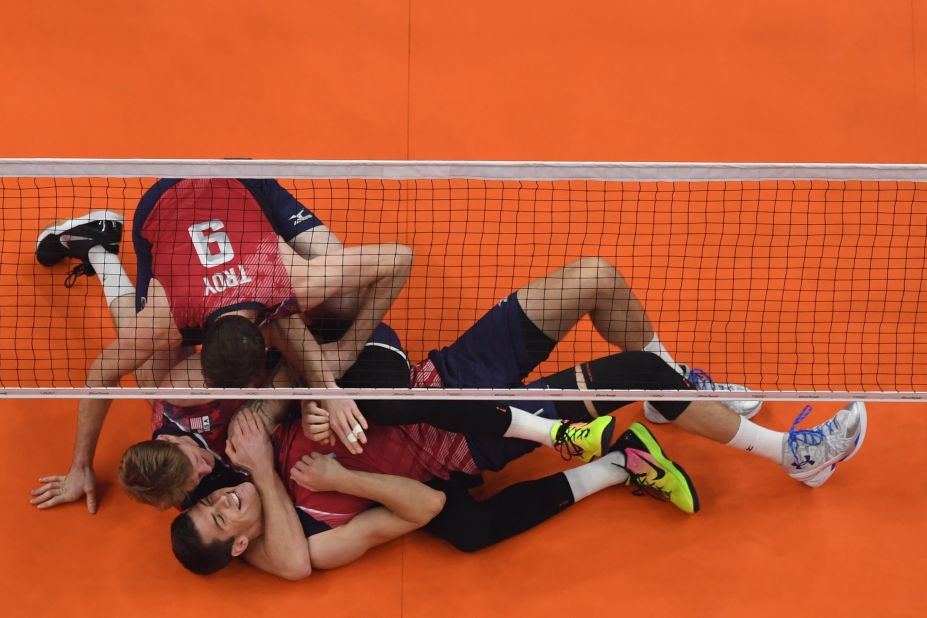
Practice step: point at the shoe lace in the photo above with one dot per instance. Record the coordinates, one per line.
(810, 437)
(565, 444)
(76, 273)
(700, 380)
(645, 488)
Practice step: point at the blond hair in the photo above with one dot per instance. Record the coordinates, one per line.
(155, 472)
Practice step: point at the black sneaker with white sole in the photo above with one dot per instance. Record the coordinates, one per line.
(74, 238)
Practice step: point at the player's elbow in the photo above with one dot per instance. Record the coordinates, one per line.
(297, 570)
(403, 258)
(296, 574)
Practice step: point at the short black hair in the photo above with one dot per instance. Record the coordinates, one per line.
(233, 354)
(195, 555)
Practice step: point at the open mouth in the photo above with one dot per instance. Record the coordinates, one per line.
(237, 499)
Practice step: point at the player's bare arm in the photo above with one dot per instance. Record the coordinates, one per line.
(322, 241)
(384, 269)
(280, 550)
(151, 330)
(407, 506)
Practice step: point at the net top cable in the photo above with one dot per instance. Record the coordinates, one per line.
(485, 170)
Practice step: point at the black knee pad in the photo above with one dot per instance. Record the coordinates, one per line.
(635, 371)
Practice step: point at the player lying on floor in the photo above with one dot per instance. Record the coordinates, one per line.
(347, 504)
(208, 251)
(520, 332)
(516, 335)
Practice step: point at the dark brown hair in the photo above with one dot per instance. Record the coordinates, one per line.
(195, 555)
(233, 354)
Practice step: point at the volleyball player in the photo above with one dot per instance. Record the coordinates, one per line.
(208, 251)
(336, 519)
(521, 331)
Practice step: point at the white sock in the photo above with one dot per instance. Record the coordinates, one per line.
(752, 438)
(656, 347)
(528, 426)
(596, 476)
(112, 275)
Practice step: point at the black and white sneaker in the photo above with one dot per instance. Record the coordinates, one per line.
(75, 237)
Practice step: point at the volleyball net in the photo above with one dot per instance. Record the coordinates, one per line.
(797, 281)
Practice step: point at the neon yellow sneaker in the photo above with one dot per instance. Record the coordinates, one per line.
(652, 471)
(586, 440)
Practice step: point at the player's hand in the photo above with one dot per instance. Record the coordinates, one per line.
(316, 425)
(317, 472)
(347, 423)
(249, 446)
(80, 481)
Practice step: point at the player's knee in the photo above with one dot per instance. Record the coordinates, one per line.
(664, 378)
(593, 268)
(636, 370)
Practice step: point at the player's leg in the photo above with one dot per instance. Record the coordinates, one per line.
(636, 458)
(383, 364)
(622, 371)
(93, 240)
(808, 455)
(594, 287)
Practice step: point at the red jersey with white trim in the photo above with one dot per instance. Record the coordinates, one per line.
(210, 420)
(212, 248)
(389, 450)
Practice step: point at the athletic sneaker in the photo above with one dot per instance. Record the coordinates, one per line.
(586, 440)
(699, 379)
(652, 471)
(75, 237)
(811, 455)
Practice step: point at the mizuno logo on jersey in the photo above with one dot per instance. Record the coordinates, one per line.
(300, 217)
(220, 282)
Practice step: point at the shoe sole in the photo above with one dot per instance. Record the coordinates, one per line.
(821, 476)
(59, 227)
(653, 447)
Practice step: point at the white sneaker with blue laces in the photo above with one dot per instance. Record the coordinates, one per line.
(811, 455)
(747, 408)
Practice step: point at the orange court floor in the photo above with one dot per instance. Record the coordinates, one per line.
(770, 80)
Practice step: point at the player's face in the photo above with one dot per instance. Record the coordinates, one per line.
(202, 461)
(227, 513)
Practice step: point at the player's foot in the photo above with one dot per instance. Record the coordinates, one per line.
(652, 471)
(746, 408)
(74, 238)
(811, 455)
(584, 440)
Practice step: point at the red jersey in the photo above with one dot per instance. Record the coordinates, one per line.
(389, 450)
(210, 420)
(213, 248)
